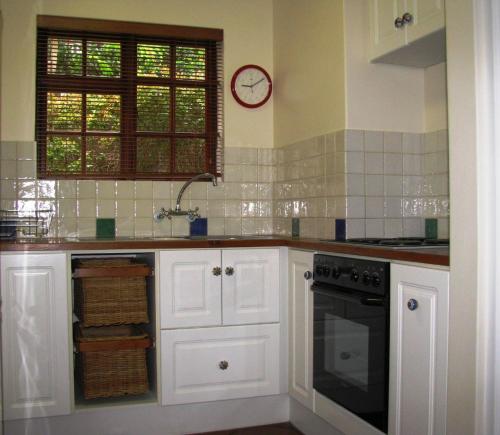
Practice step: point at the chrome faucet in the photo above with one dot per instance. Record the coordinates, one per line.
(191, 215)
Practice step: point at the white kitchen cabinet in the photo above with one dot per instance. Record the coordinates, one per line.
(385, 36)
(419, 41)
(250, 286)
(418, 354)
(214, 287)
(300, 317)
(200, 365)
(428, 17)
(190, 288)
(36, 359)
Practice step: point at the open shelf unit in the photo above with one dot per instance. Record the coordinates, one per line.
(148, 259)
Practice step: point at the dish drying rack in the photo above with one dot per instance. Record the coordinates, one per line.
(17, 224)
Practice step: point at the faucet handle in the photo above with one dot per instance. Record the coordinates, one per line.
(192, 215)
(162, 214)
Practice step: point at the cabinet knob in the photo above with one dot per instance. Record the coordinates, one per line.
(223, 365)
(308, 274)
(216, 271)
(398, 23)
(412, 304)
(229, 271)
(407, 18)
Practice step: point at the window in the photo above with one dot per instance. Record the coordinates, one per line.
(127, 100)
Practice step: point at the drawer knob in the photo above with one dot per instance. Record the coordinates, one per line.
(229, 271)
(412, 304)
(216, 271)
(223, 365)
(308, 274)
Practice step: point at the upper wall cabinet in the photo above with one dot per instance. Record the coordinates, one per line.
(407, 32)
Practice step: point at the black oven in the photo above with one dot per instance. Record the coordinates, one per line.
(351, 335)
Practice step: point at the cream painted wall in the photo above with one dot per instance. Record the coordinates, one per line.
(309, 96)
(248, 36)
(436, 103)
(463, 85)
(378, 97)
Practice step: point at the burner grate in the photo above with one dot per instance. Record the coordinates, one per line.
(395, 242)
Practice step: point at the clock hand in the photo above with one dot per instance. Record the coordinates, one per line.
(256, 83)
(247, 86)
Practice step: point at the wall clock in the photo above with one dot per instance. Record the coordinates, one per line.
(251, 86)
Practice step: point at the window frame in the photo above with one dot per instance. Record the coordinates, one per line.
(126, 86)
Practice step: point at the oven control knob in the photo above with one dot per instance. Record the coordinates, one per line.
(354, 275)
(376, 280)
(319, 270)
(336, 272)
(326, 271)
(366, 277)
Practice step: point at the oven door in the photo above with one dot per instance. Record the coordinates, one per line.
(351, 346)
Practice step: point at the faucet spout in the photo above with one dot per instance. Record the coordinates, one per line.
(191, 215)
(188, 182)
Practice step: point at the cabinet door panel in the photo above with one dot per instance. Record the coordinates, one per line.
(300, 299)
(219, 363)
(418, 350)
(190, 293)
(251, 293)
(385, 37)
(428, 17)
(35, 335)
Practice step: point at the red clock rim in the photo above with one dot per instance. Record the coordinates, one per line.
(233, 89)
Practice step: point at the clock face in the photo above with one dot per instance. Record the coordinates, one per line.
(251, 86)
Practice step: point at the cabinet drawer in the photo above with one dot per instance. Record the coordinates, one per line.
(200, 365)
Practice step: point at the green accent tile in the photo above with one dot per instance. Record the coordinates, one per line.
(295, 227)
(431, 228)
(105, 228)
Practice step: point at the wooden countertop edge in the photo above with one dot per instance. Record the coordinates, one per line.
(431, 256)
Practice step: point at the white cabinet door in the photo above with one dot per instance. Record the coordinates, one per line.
(207, 364)
(428, 17)
(385, 36)
(300, 315)
(190, 288)
(250, 286)
(35, 339)
(419, 356)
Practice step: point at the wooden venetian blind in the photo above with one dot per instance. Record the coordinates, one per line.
(127, 100)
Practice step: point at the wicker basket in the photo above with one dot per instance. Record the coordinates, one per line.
(112, 361)
(111, 292)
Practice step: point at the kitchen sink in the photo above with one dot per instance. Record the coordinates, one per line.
(164, 238)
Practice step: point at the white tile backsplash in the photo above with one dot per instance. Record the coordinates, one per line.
(359, 175)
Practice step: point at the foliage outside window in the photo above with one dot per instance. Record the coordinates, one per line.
(126, 106)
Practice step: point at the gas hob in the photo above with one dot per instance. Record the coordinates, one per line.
(398, 242)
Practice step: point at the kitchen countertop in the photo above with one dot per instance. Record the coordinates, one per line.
(433, 255)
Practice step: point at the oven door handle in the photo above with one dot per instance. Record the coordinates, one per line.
(362, 300)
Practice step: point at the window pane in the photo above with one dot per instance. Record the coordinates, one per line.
(64, 111)
(103, 112)
(153, 155)
(64, 154)
(103, 59)
(189, 155)
(153, 108)
(190, 63)
(103, 154)
(190, 110)
(64, 56)
(153, 60)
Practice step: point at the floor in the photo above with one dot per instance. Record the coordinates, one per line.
(272, 429)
